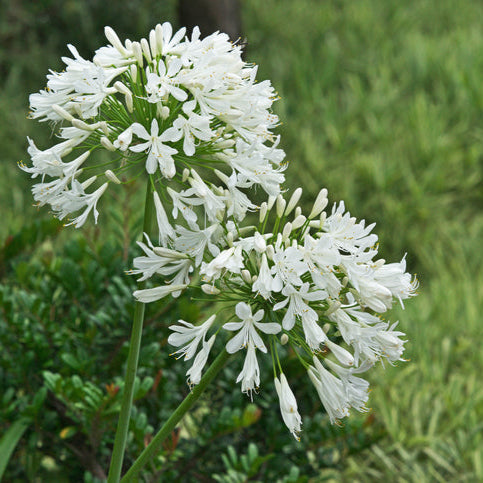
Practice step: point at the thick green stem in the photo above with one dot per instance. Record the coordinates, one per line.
(132, 364)
(175, 418)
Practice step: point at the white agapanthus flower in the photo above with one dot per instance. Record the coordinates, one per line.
(319, 284)
(161, 105)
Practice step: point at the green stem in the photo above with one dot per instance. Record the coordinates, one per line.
(150, 451)
(132, 364)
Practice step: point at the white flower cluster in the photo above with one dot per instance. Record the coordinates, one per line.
(311, 282)
(170, 107)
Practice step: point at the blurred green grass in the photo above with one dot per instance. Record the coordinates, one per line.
(381, 102)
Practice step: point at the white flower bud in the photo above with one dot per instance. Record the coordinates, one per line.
(153, 44)
(229, 238)
(88, 182)
(335, 305)
(342, 355)
(263, 211)
(129, 102)
(271, 201)
(283, 339)
(345, 281)
(379, 263)
(320, 203)
(259, 243)
(63, 113)
(104, 127)
(326, 328)
(164, 112)
(224, 143)
(254, 278)
(114, 40)
(82, 125)
(186, 173)
(146, 51)
(270, 252)
(287, 229)
(159, 37)
(210, 289)
(298, 222)
(293, 200)
(138, 53)
(281, 203)
(298, 212)
(222, 176)
(246, 276)
(120, 87)
(106, 143)
(112, 177)
(134, 72)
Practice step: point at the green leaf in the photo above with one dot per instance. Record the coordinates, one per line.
(10, 440)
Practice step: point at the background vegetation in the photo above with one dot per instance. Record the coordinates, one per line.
(381, 102)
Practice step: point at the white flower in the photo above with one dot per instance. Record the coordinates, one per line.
(194, 372)
(166, 231)
(331, 391)
(194, 242)
(264, 284)
(250, 374)
(195, 126)
(190, 335)
(158, 153)
(288, 406)
(297, 306)
(124, 140)
(230, 259)
(152, 294)
(159, 87)
(247, 333)
(287, 268)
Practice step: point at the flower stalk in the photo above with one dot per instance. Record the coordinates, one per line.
(188, 402)
(132, 364)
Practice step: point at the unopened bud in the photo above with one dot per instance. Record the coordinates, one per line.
(319, 204)
(229, 238)
(88, 182)
(146, 51)
(63, 113)
(326, 328)
(246, 276)
(164, 112)
(345, 281)
(298, 222)
(254, 278)
(271, 201)
(259, 243)
(120, 87)
(186, 173)
(138, 53)
(106, 143)
(129, 102)
(283, 339)
(112, 177)
(281, 203)
(153, 43)
(114, 40)
(159, 37)
(287, 229)
(225, 143)
(298, 211)
(82, 125)
(270, 252)
(293, 200)
(134, 72)
(210, 289)
(104, 127)
(223, 177)
(336, 305)
(263, 211)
